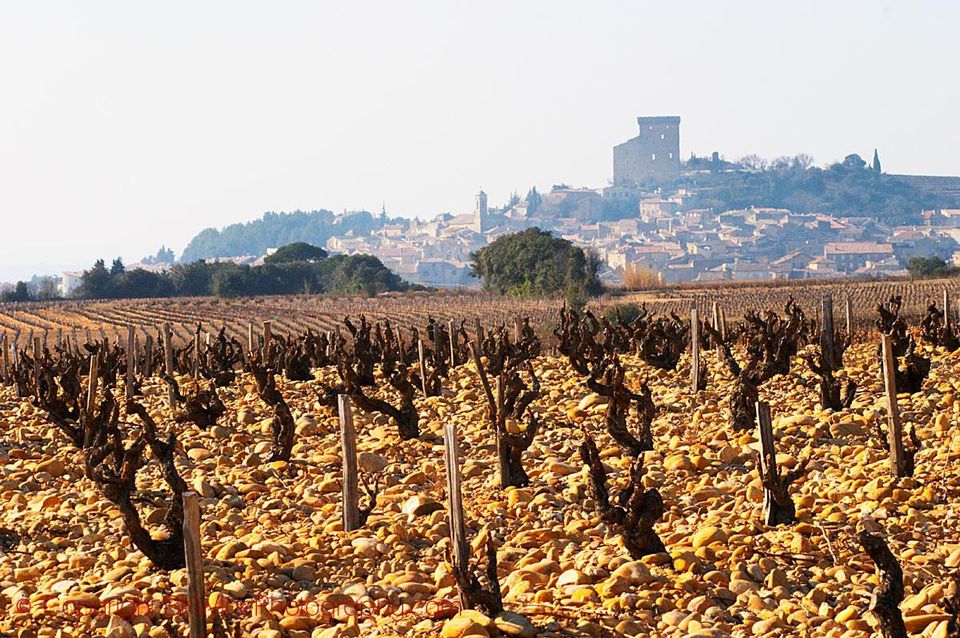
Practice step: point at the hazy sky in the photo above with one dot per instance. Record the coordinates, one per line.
(124, 126)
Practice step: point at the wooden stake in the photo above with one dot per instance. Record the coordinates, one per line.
(458, 538)
(768, 461)
(5, 356)
(423, 367)
(694, 349)
(92, 382)
(348, 448)
(946, 308)
(196, 353)
(894, 427)
(250, 339)
(848, 310)
(168, 361)
(196, 595)
(37, 352)
(716, 321)
(827, 349)
(453, 341)
(131, 359)
(502, 449)
(265, 355)
(148, 356)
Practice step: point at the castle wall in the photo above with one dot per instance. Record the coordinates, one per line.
(651, 157)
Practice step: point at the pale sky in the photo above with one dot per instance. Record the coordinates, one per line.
(127, 125)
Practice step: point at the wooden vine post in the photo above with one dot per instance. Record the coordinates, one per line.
(946, 308)
(131, 360)
(196, 353)
(148, 356)
(37, 353)
(768, 461)
(348, 447)
(828, 352)
(267, 335)
(453, 342)
(168, 361)
(894, 427)
(4, 356)
(848, 309)
(250, 338)
(92, 382)
(716, 321)
(16, 354)
(460, 552)
(196, 596)
(423, 367)
(694, 349)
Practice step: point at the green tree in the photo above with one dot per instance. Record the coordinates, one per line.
(117, 266)
(142, 284)
(48, 288)
(298, 251)
(20, 292)
(193, 279)
(533, 200)
(854, 161)
(95, 283)
(929, 267)
(535, 263)
(358, 274)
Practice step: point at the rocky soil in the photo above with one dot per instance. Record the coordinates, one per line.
(277, 562)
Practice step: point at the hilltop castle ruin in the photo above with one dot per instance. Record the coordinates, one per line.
(651, 157)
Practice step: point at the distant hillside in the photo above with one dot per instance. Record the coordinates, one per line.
(846, 189)
(276, 229)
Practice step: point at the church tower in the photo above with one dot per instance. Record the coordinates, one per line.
(481, 222)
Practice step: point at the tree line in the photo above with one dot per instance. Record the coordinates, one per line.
(294, 269)
(850, 188)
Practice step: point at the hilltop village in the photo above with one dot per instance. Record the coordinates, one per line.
(660, 215)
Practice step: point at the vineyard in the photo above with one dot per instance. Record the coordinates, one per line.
(288, 314)
(864, 296)
(466, 465)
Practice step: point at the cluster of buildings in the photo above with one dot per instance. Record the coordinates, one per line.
(660, 233)
(638, 223)
(758, 244)
(678, 245)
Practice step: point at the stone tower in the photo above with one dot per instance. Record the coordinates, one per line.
(652, 157)
(481, 222)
